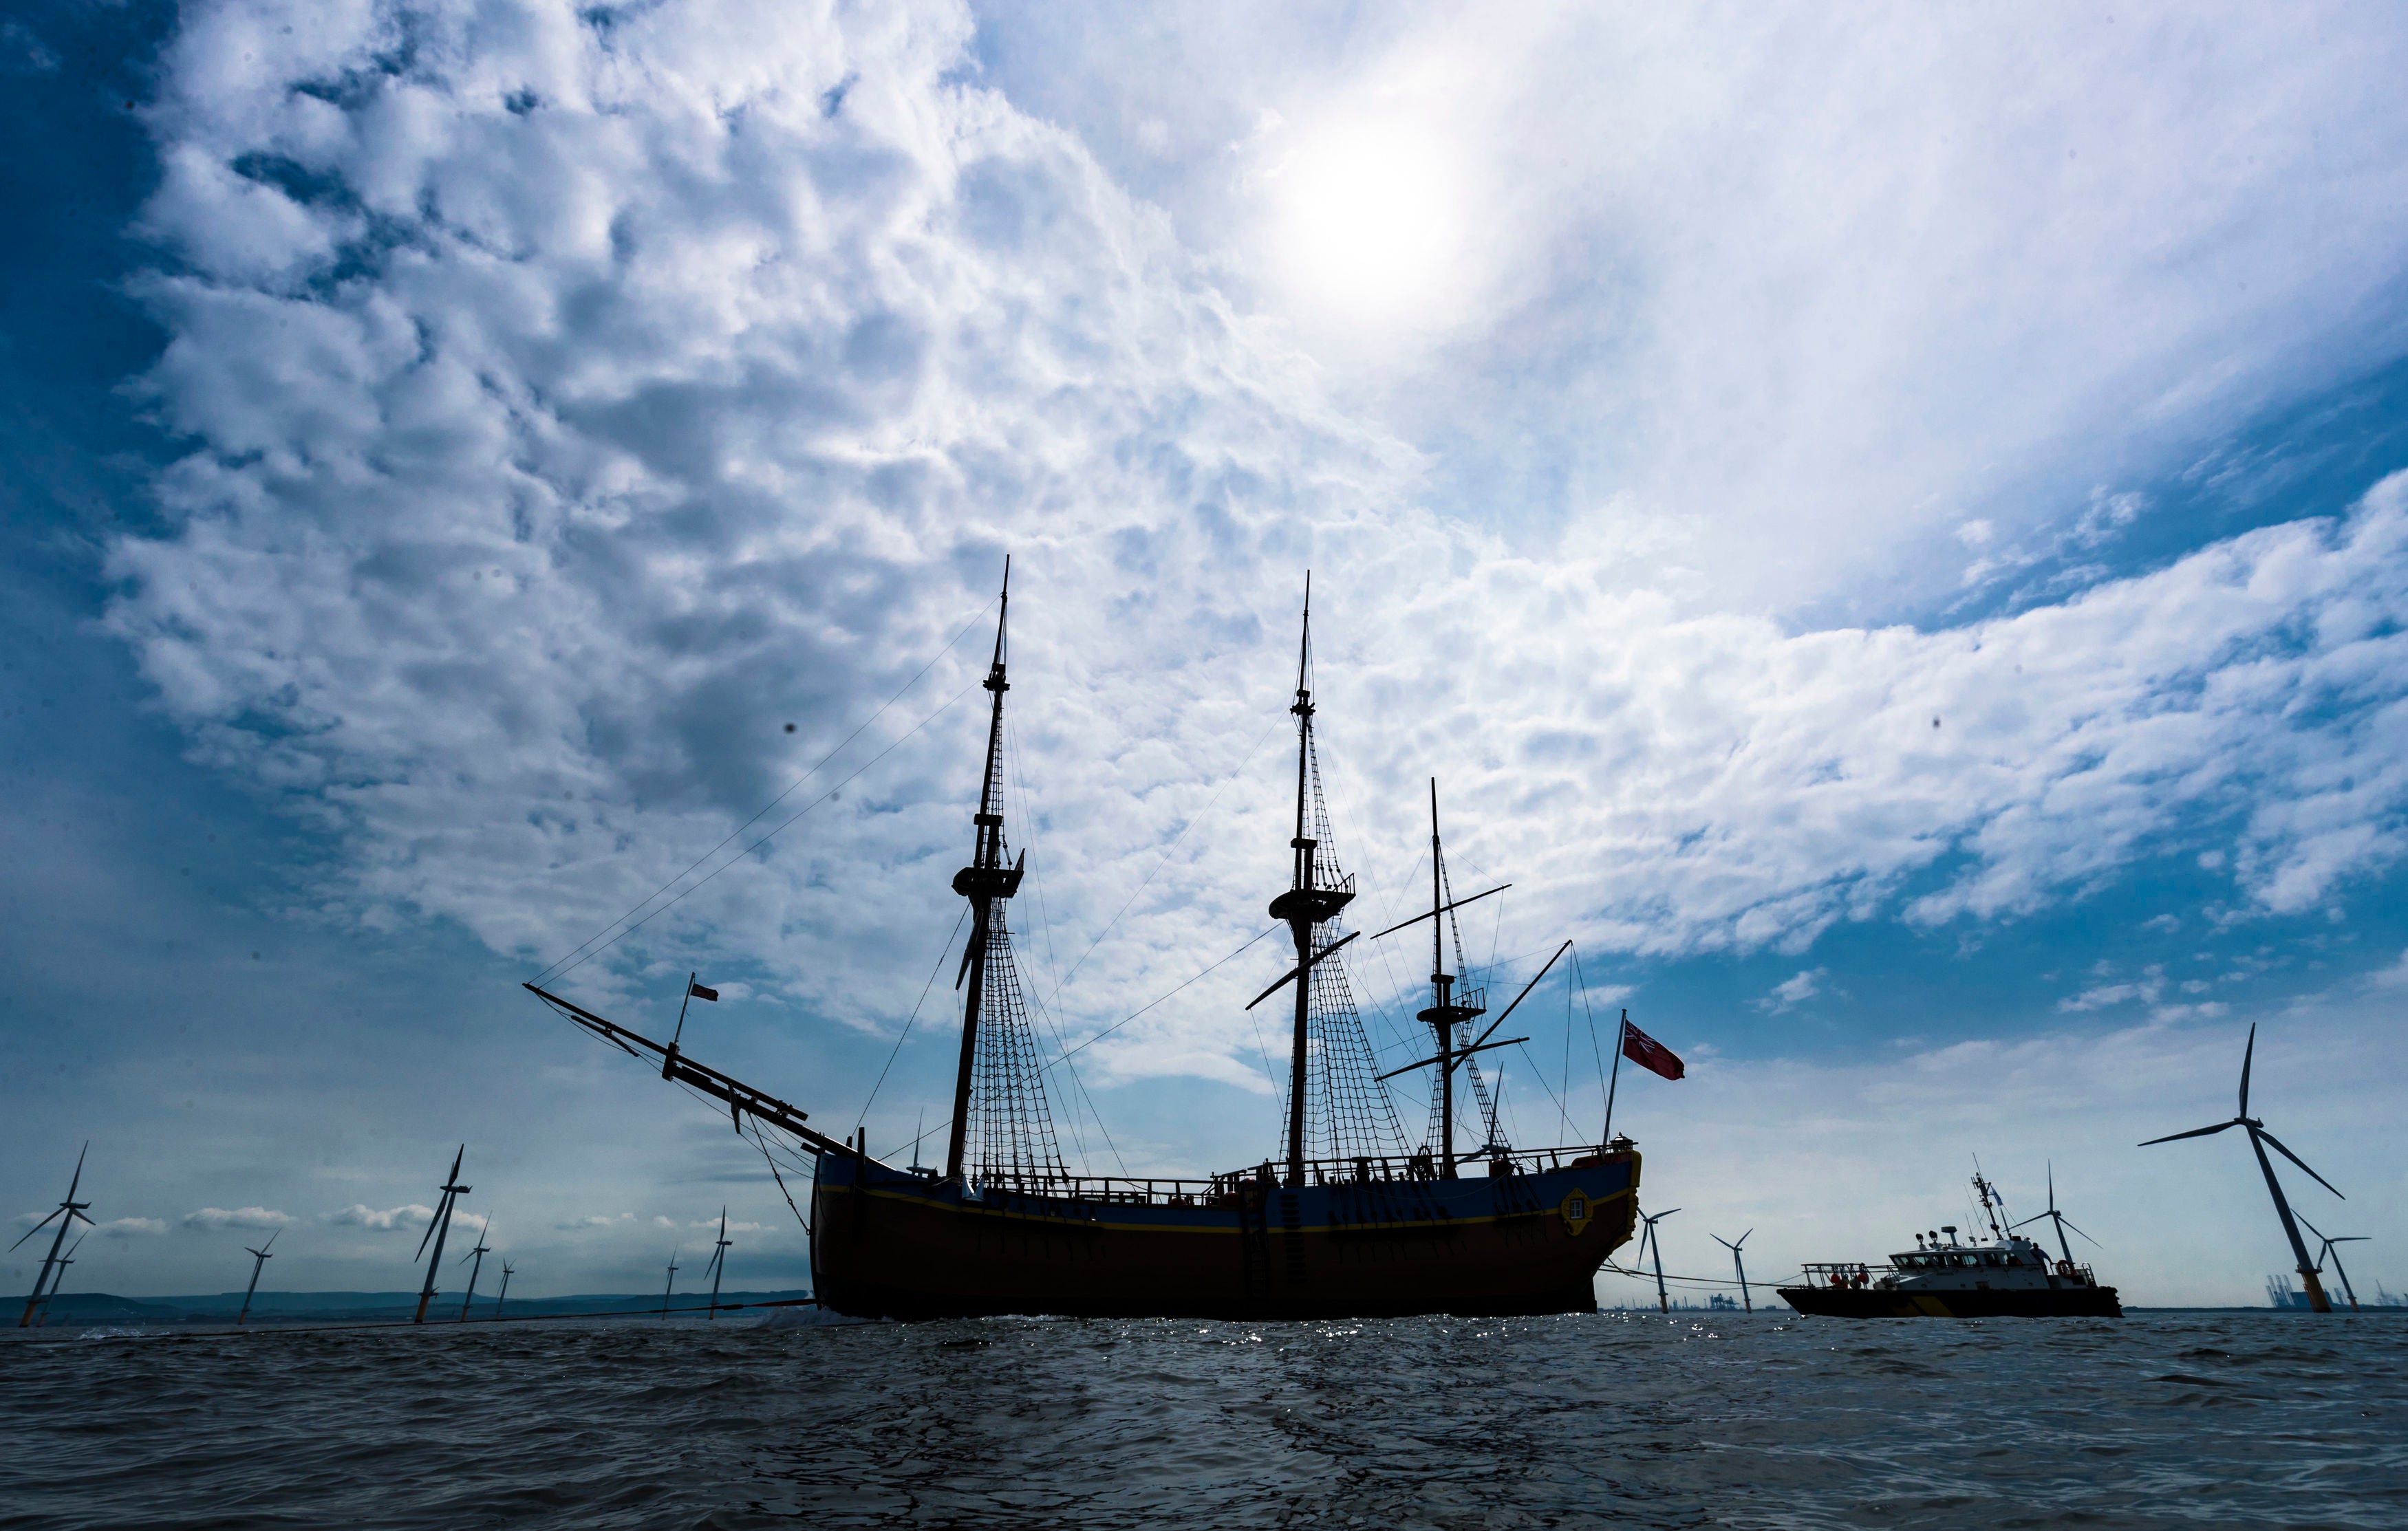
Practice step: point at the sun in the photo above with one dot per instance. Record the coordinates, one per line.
(1369, 227)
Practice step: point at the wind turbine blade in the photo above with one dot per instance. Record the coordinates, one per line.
(456, 1163)
(36, 1228)
(2195, 1132)
(1744, 1237)
(271, 1242)
(2069, 1223)
(2297, 1160)
(442, 1207)
(2037, 1217)
(79, 1173)
(2246, 1054)
(2052, 1187)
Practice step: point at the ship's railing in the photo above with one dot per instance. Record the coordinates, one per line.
(1226, 1190)
(1850, 1273)
(1843, 1273)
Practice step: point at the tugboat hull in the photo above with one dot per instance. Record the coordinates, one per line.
(2063, 1302)
(889, 1244)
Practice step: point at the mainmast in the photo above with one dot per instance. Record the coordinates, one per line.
(986, 881)
(1447, 1010)
(1312, 899)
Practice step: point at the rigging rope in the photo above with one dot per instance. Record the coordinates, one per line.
(896, 1051)
(548, 973)
(1158, 865)
(940, 711)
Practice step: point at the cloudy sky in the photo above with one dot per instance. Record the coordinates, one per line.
(1893, 536)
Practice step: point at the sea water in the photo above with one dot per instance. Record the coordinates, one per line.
(2186, 1419)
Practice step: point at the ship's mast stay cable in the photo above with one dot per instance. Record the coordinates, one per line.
(1497, 935)
(948, 950)
(1116, 1025)
(1604, 1101)
(565, 966)
(1158, 865)
(1379, 1008)
(1019, 779)
(548, 973)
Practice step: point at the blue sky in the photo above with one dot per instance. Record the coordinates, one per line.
(1888, 539)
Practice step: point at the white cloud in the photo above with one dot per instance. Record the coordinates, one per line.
(548, 467)
(407, 1219)
(1794, 990)
(598, 1220)
(2393, 976)
(211, 1219)
(130, 1228)
(2146, 989)
(1934, 266)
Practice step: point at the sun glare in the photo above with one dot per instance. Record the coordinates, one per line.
(1371, 225)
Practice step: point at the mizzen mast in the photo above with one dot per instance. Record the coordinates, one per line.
(1448, 1008)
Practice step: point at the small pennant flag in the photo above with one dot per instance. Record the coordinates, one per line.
(712, 995)
(1649, 1053)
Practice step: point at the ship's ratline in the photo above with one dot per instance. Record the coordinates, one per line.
(1350, 1221)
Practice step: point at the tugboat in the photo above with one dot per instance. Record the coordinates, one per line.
(2009, 1276)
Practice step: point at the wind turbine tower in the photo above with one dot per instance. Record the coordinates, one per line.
(1649, 1241)
(719, 1264)
(479, 1252)
(259, 1258)
(438, 1228)
(672, 1287)
(1737, 1263)
(506, 1268)
(2347, 1289)
(67, 1213)
(2259, 1141)
(42, 1316)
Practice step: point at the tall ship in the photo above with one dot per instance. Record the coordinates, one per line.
(1350, 1220)
(2006, 1276)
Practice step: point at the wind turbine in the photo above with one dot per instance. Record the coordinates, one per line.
(1737, 1263)
(2062, 1221)
(438, 1228)
(719, 1264)
(259, 1258)
(2346, 1238)
(506, 1268)
(2258, 1138)
(672, 1286)
(1648, 1240)
(477, 1269)
(67, 1213)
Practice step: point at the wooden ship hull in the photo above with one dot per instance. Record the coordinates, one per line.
(886, 1243)
(1871, 1302)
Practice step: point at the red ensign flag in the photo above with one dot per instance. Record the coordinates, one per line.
(1647, 1052)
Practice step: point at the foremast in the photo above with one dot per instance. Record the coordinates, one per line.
(998, 1083)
